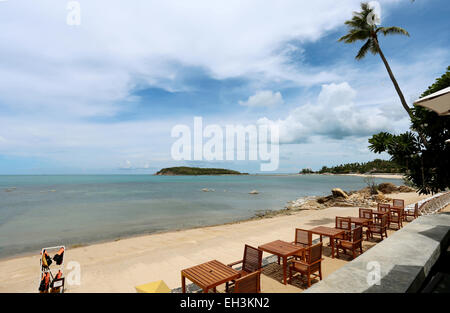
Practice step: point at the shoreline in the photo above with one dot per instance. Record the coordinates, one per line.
(257, 215)
(377, 175)
(119, 265)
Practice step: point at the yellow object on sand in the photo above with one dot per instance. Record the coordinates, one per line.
(154, 287)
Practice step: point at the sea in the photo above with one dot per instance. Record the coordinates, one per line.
(48, 210)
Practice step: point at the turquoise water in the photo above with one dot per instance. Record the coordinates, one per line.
(40, 211)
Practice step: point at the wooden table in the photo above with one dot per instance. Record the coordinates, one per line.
(208, 275)
(379, 214)
(282, 249)
(328, 232)
(361, 221)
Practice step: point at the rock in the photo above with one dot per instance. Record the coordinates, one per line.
(254, 192)
(208, 190)
(387, 187)
(405, 189)
(338, 192)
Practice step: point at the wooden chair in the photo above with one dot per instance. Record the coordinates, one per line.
(366, 213)
(312, 265)
(303, 238)
(398, 203)
(353, 245)
(250, 283)
(251, 262)
(344, 223)
(378, 228)
(413, 213)
(396, 217)
(384, 207)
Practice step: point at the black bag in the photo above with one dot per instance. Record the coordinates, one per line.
(58, 258)
(49, 260)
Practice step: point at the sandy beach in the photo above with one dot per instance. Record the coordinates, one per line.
(377, 175)
(118, 266)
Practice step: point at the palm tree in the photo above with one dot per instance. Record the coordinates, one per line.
(361, 29)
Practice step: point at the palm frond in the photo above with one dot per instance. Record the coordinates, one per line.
(355, 35)
(393, 30)
(363, 51)
(373, 47)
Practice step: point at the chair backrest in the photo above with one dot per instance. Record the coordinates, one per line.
(398, 203)
(384, 219)
(315, 253)
(303, 236)
(250, 283)
(357, 234)
(252, 260)
(396, 212)
(366, 213)
(383, 207)
(343, 223)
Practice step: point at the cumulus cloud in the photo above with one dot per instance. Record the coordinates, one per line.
(264, 98)
(334, 115)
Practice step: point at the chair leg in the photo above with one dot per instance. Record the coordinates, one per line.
(290, 274)
(309, 279)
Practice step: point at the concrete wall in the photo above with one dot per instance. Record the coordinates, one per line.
(405, 259)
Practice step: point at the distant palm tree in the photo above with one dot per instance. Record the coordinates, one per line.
(361, 29)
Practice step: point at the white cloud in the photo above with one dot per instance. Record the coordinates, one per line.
(333, 115)
(264, 98)
(86, 70)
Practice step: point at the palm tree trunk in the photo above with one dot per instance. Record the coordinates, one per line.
(399, 92)
(394, 81)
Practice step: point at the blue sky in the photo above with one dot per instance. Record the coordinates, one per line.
(102, 97)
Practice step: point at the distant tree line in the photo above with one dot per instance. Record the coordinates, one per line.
(375, 166)
(185, 170)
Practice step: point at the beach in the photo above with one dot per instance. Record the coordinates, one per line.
(47, 210)
(377, 175)
(119, 266)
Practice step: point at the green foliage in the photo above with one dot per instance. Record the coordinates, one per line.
(360, 30)
(375, 166)
(185, 170)
(427, 167)
(306, 171)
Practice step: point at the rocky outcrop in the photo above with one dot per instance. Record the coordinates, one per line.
(339, 198)
(338, 192)
(390, 188)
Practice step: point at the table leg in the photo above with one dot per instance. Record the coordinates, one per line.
(205, 290)
(284, 270)
(278, 260)
(332, 247)
(215, 290)
(183, 283)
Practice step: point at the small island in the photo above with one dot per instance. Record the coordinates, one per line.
(185, 170)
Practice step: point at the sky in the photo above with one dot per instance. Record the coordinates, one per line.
(103, 96)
